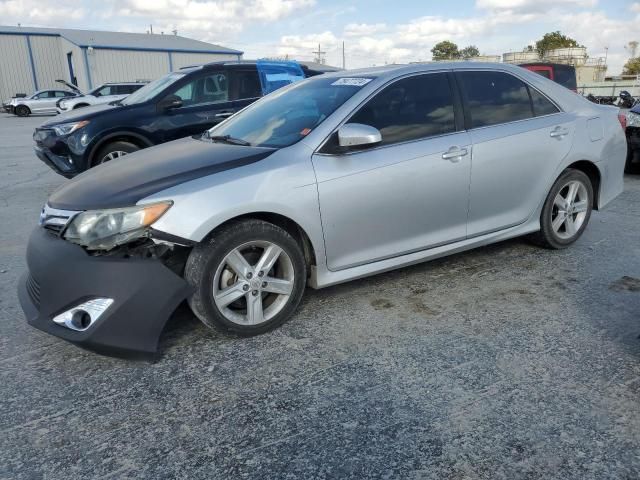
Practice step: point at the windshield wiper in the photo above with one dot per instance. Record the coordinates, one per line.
(228, 139)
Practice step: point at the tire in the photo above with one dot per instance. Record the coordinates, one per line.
(633, 162)
(22, 111)
(555, 232)
(209, 272)
(114, 150)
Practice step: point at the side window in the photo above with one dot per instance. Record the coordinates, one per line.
(541, 104)
(104, 91)
(245, 84)
(409, 109)
(494, 97)
(212, 88)
(61, 94)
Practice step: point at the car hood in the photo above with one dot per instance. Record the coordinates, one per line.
(85, 113)
(124, 182)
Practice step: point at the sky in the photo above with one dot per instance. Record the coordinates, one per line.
(374, 32)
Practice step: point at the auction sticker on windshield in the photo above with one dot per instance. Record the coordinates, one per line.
(352, 82)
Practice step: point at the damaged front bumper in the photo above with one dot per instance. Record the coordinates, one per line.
(61, 276)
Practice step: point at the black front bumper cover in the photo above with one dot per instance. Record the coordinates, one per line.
(62, 275)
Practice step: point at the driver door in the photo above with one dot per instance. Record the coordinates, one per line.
(406, 194)
(205, 103)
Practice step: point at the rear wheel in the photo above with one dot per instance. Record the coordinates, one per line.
(248, 277)
(113, 151)
(22, 111)
(566, 211)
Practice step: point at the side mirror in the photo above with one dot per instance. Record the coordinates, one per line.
(169, 103)
(357, 134)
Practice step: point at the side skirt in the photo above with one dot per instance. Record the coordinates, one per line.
(322, 277)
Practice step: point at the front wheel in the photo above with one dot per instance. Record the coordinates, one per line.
(248, 277)
(566, 211)
(113, 151)
(22, 111)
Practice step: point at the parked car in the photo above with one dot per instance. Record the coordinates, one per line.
(41, 102)
(105, 93)
(330, 179)
(632, 131)
(560, 73)
(182, 103)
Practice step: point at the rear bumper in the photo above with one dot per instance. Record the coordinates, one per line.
(62, 275)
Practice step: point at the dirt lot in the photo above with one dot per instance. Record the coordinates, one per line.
(506, 362)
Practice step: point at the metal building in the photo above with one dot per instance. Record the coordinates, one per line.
(33, 58)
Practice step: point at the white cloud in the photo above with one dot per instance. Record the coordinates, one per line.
(363, 29)
(532, 5)
(37, 13)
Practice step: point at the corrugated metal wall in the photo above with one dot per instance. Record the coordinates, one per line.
(180, 60)
(126, 66)
(15, 70)
(48, 63)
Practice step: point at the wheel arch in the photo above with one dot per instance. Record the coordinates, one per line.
(81, 105)
(292, 227)
(23, 106)
(592, 171)
(119, 136)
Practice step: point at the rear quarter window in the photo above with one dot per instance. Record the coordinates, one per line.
(493, 98)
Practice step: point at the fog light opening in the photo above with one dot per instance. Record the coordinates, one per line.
(83, 316)
(81, 319)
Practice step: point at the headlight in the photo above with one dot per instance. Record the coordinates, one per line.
(63, 105)
(67, 128)
(633, 119)
(106, 229)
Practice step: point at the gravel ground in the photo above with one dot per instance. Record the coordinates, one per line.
(506, 362)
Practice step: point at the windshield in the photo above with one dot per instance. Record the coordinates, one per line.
(286, 116)
(152, 89)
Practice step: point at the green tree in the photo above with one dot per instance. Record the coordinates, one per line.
(632, 67)
(554, 40)
(445, 50)
(469, 52)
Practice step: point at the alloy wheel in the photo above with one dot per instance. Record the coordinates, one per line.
(253, 283)
(570, 208)
(113, 156)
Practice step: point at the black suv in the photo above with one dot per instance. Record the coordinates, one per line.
(182, 103)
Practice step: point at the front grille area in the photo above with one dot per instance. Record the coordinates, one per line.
(55, 220)
(33, 289)
(57, 229)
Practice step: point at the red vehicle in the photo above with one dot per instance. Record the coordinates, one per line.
(558, 72)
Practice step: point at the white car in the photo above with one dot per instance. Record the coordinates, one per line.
(105, 93)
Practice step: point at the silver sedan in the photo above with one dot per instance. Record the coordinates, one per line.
(330, 179)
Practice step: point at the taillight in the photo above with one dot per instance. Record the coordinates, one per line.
(623, 119)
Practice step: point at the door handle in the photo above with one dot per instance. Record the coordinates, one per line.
(223, 114)
(559, 132)
(455, 154)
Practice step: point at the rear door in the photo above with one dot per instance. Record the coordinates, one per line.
(519, 138)
(205, 103)
(245, 86)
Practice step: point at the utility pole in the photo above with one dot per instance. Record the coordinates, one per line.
(319, 55)
(343, 58)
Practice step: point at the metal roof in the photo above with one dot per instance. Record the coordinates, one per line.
(123, 40)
